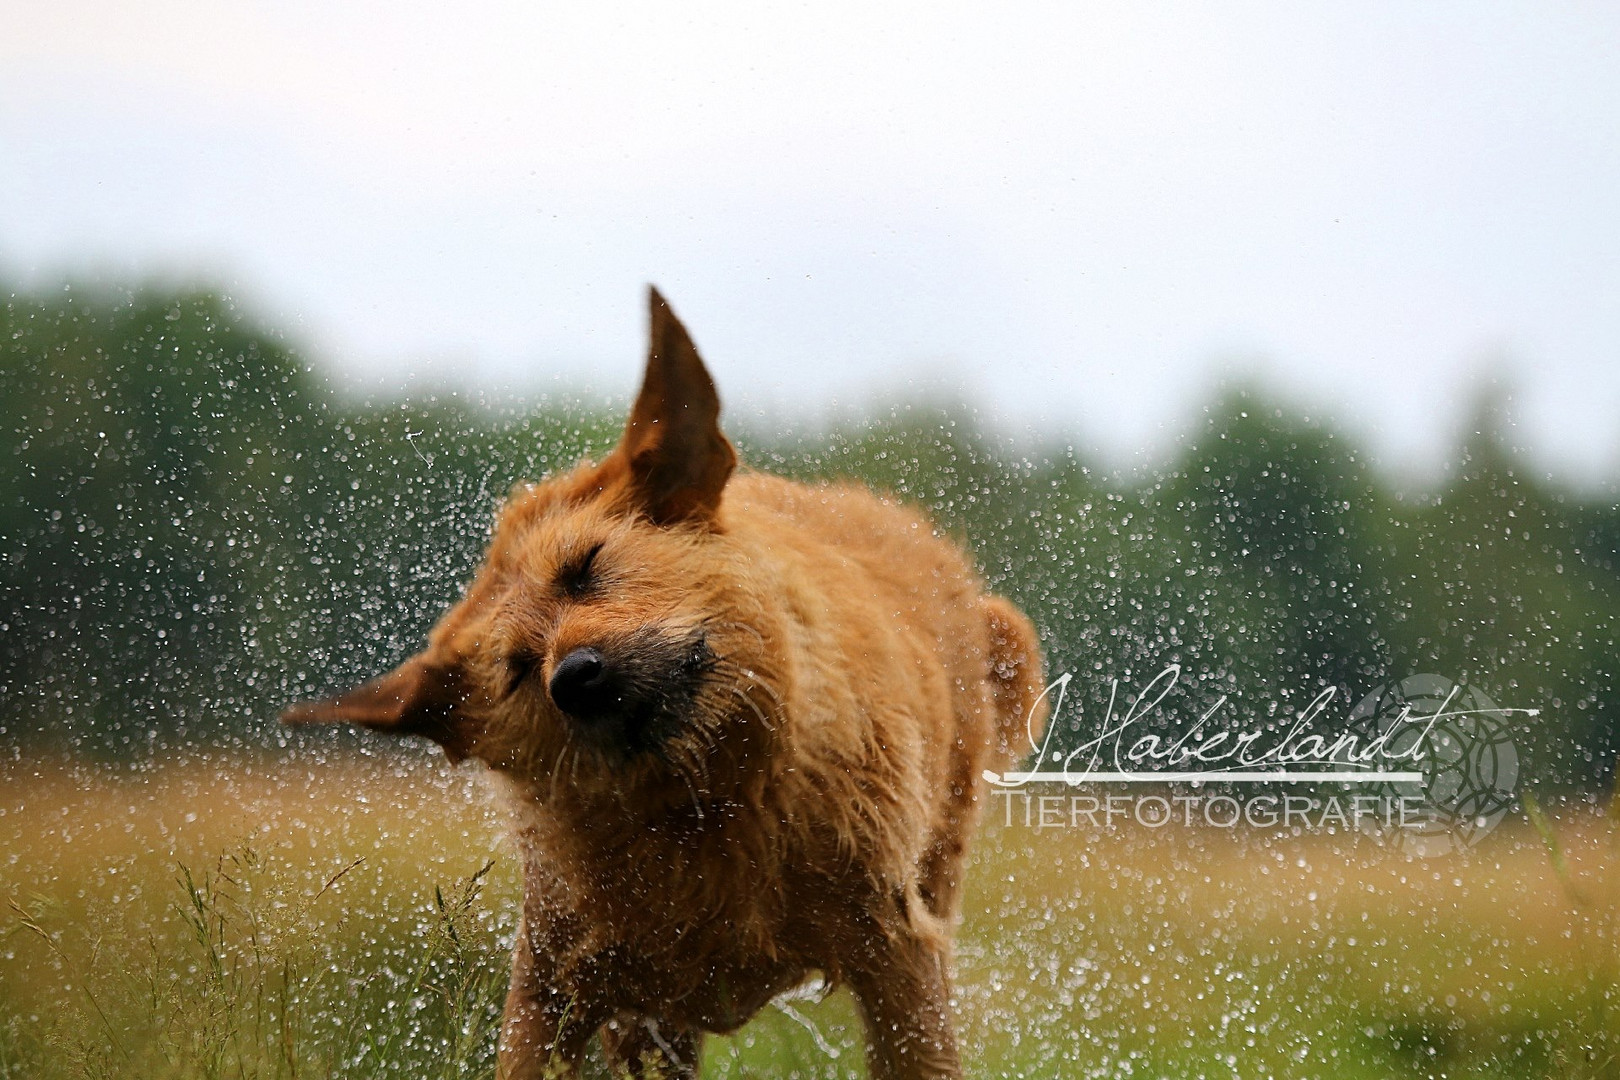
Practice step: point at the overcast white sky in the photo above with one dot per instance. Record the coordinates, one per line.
(1080, 217)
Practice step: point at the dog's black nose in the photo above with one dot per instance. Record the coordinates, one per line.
(583, 684)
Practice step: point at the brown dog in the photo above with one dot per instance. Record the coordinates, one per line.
(742, 724)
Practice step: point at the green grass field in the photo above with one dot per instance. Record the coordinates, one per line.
(257, 919)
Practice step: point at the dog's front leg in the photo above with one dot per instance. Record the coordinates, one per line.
(903, 989)
(545, 1027)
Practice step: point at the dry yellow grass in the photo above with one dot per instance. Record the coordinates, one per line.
(72, 831)
(1082, 949)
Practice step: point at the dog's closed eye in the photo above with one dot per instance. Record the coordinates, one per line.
(578, 575)
(519, 666)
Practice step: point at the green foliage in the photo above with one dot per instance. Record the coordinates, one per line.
(196, 530)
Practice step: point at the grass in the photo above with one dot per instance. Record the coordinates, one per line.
(253, 919)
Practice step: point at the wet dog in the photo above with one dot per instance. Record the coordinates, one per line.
(741, 723)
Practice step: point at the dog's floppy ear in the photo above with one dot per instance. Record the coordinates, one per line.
(420, 697)
(677, 458)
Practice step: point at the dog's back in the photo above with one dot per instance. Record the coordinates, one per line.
(904, 673)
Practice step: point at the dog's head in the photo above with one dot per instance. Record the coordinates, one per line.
(611, 640)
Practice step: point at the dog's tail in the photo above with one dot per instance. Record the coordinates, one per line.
(1016, 684)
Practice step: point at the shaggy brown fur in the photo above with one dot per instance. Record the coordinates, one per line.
(742, 724)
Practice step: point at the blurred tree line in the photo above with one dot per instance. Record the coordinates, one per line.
(195, 530)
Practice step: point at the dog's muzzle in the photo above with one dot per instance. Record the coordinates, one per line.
(632, 695)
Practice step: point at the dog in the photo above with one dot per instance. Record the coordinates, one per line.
(741, 724)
